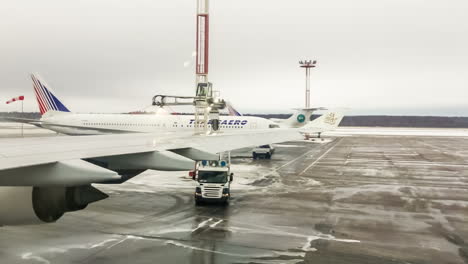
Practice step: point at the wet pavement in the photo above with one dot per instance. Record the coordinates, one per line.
(353, 199)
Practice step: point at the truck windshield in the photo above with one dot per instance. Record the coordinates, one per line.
(212, 176)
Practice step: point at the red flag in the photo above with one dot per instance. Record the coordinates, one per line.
(19, 98)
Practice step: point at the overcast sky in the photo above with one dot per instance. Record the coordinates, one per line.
(374, 56)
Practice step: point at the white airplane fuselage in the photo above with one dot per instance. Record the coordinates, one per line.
(93, 124)
(57, 117)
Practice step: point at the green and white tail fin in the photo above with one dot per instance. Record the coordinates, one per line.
(300, 118)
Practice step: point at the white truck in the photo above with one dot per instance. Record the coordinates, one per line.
(213, 182)
(265, 151)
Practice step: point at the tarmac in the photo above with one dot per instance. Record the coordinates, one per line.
(344, 199)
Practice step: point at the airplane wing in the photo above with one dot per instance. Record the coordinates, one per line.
(28, 152)
(25, 152)
(35, 122)
(43, 178)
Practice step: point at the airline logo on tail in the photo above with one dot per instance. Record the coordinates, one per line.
(330, 118)
(326, 122)
(46, 100)
(301, 118)
(232, 110)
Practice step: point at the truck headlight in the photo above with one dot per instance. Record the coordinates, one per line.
(225, 191)
(198, 190)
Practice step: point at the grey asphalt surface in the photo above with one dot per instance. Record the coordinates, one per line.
(363, 199)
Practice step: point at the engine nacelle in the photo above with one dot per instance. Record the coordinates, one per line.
(36, 205)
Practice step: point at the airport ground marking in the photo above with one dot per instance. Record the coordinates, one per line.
(216, 223)
(289, 162)
(202, 224)
(319, 158)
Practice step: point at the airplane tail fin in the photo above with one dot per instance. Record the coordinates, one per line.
(46, 99)
(328, 121)
(232, 111)
(300, 118)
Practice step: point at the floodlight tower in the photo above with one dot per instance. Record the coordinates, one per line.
(203, 30)
(207, 102)
(307, 64)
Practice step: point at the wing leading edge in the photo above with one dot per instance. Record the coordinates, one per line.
(41, 160)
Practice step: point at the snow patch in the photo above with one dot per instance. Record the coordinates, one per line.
(30, 256)
(383, 131)
(202, 224)
(178, 244)
(348, 192)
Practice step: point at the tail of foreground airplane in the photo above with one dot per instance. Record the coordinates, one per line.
(46, 100)
(328, 121)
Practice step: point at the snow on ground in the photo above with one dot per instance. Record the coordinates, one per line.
(396, 131)
(348, 192)
(152, 181)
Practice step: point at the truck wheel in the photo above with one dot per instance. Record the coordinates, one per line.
(198, 203)
(254, 155)
(268, 156)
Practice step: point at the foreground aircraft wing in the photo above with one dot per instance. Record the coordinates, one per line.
(150, 147)
(43, 178)
(27, 152)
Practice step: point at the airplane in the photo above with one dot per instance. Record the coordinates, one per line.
(41, 179)
(299, 118)
(57, 117)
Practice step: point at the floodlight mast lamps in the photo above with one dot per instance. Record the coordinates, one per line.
(307, 64)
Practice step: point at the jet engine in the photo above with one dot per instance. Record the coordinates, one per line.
(36, 205)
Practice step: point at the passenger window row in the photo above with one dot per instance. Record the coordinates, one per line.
(148, 125)
(120, 124)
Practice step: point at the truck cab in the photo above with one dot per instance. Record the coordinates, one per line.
(213, 182)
